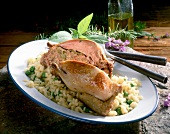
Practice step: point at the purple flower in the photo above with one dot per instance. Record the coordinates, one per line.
(122, 48)
(112, 44)
(118, 41)
(117, 45)
(108, 44)
(167, 35)
(167, 101)
(127, 42)
(110, 39)
(168, 97)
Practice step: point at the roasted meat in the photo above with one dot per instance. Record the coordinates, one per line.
(86, 51)
(84, 68)
(85, 78)
(93, 86)
(97, 105)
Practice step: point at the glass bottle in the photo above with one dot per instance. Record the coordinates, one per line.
(120, 16)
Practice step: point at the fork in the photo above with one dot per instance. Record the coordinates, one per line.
(140, 57)
(135, 67)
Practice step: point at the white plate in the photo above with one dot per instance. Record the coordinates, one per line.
(17, 62)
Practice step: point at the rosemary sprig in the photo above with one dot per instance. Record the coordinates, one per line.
(123, 34)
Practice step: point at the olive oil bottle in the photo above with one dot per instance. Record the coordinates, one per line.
(120, 16)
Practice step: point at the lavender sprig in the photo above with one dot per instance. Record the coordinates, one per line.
(116, 45)
(157, 38)
(166, 36)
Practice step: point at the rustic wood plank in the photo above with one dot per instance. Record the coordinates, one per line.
(16, 37)
(3, 58)
(2, 64)
(6, 50)
(144, 42)
(157, 48)
(9, 41)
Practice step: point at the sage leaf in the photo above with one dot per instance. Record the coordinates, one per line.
(84, 24)
(98, 38)
(59, 40)
(60, 36)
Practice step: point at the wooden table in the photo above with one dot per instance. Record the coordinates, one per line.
(10, 41)
(153, 47)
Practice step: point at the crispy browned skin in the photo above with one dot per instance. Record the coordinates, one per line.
(86, 78)
(80, 50)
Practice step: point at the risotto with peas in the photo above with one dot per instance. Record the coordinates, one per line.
(54, 89)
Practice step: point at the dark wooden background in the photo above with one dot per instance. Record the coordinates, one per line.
(27, 15)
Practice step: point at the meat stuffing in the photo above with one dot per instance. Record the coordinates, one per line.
(86, 51)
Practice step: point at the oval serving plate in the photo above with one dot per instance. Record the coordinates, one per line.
(17, 63)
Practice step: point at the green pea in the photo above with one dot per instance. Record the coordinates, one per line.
(87, 110)
(118, 110)
(28, 72)
(132, 85)
(32, 77)
(32, 68)
(56, 78)
(82, 107)
(43, 75)
(52, 94)
(59, 92)
(125, 94)
(129, 101)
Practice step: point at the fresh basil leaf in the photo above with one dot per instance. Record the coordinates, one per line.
(84, 24)
(74, 33)
(82, 37)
